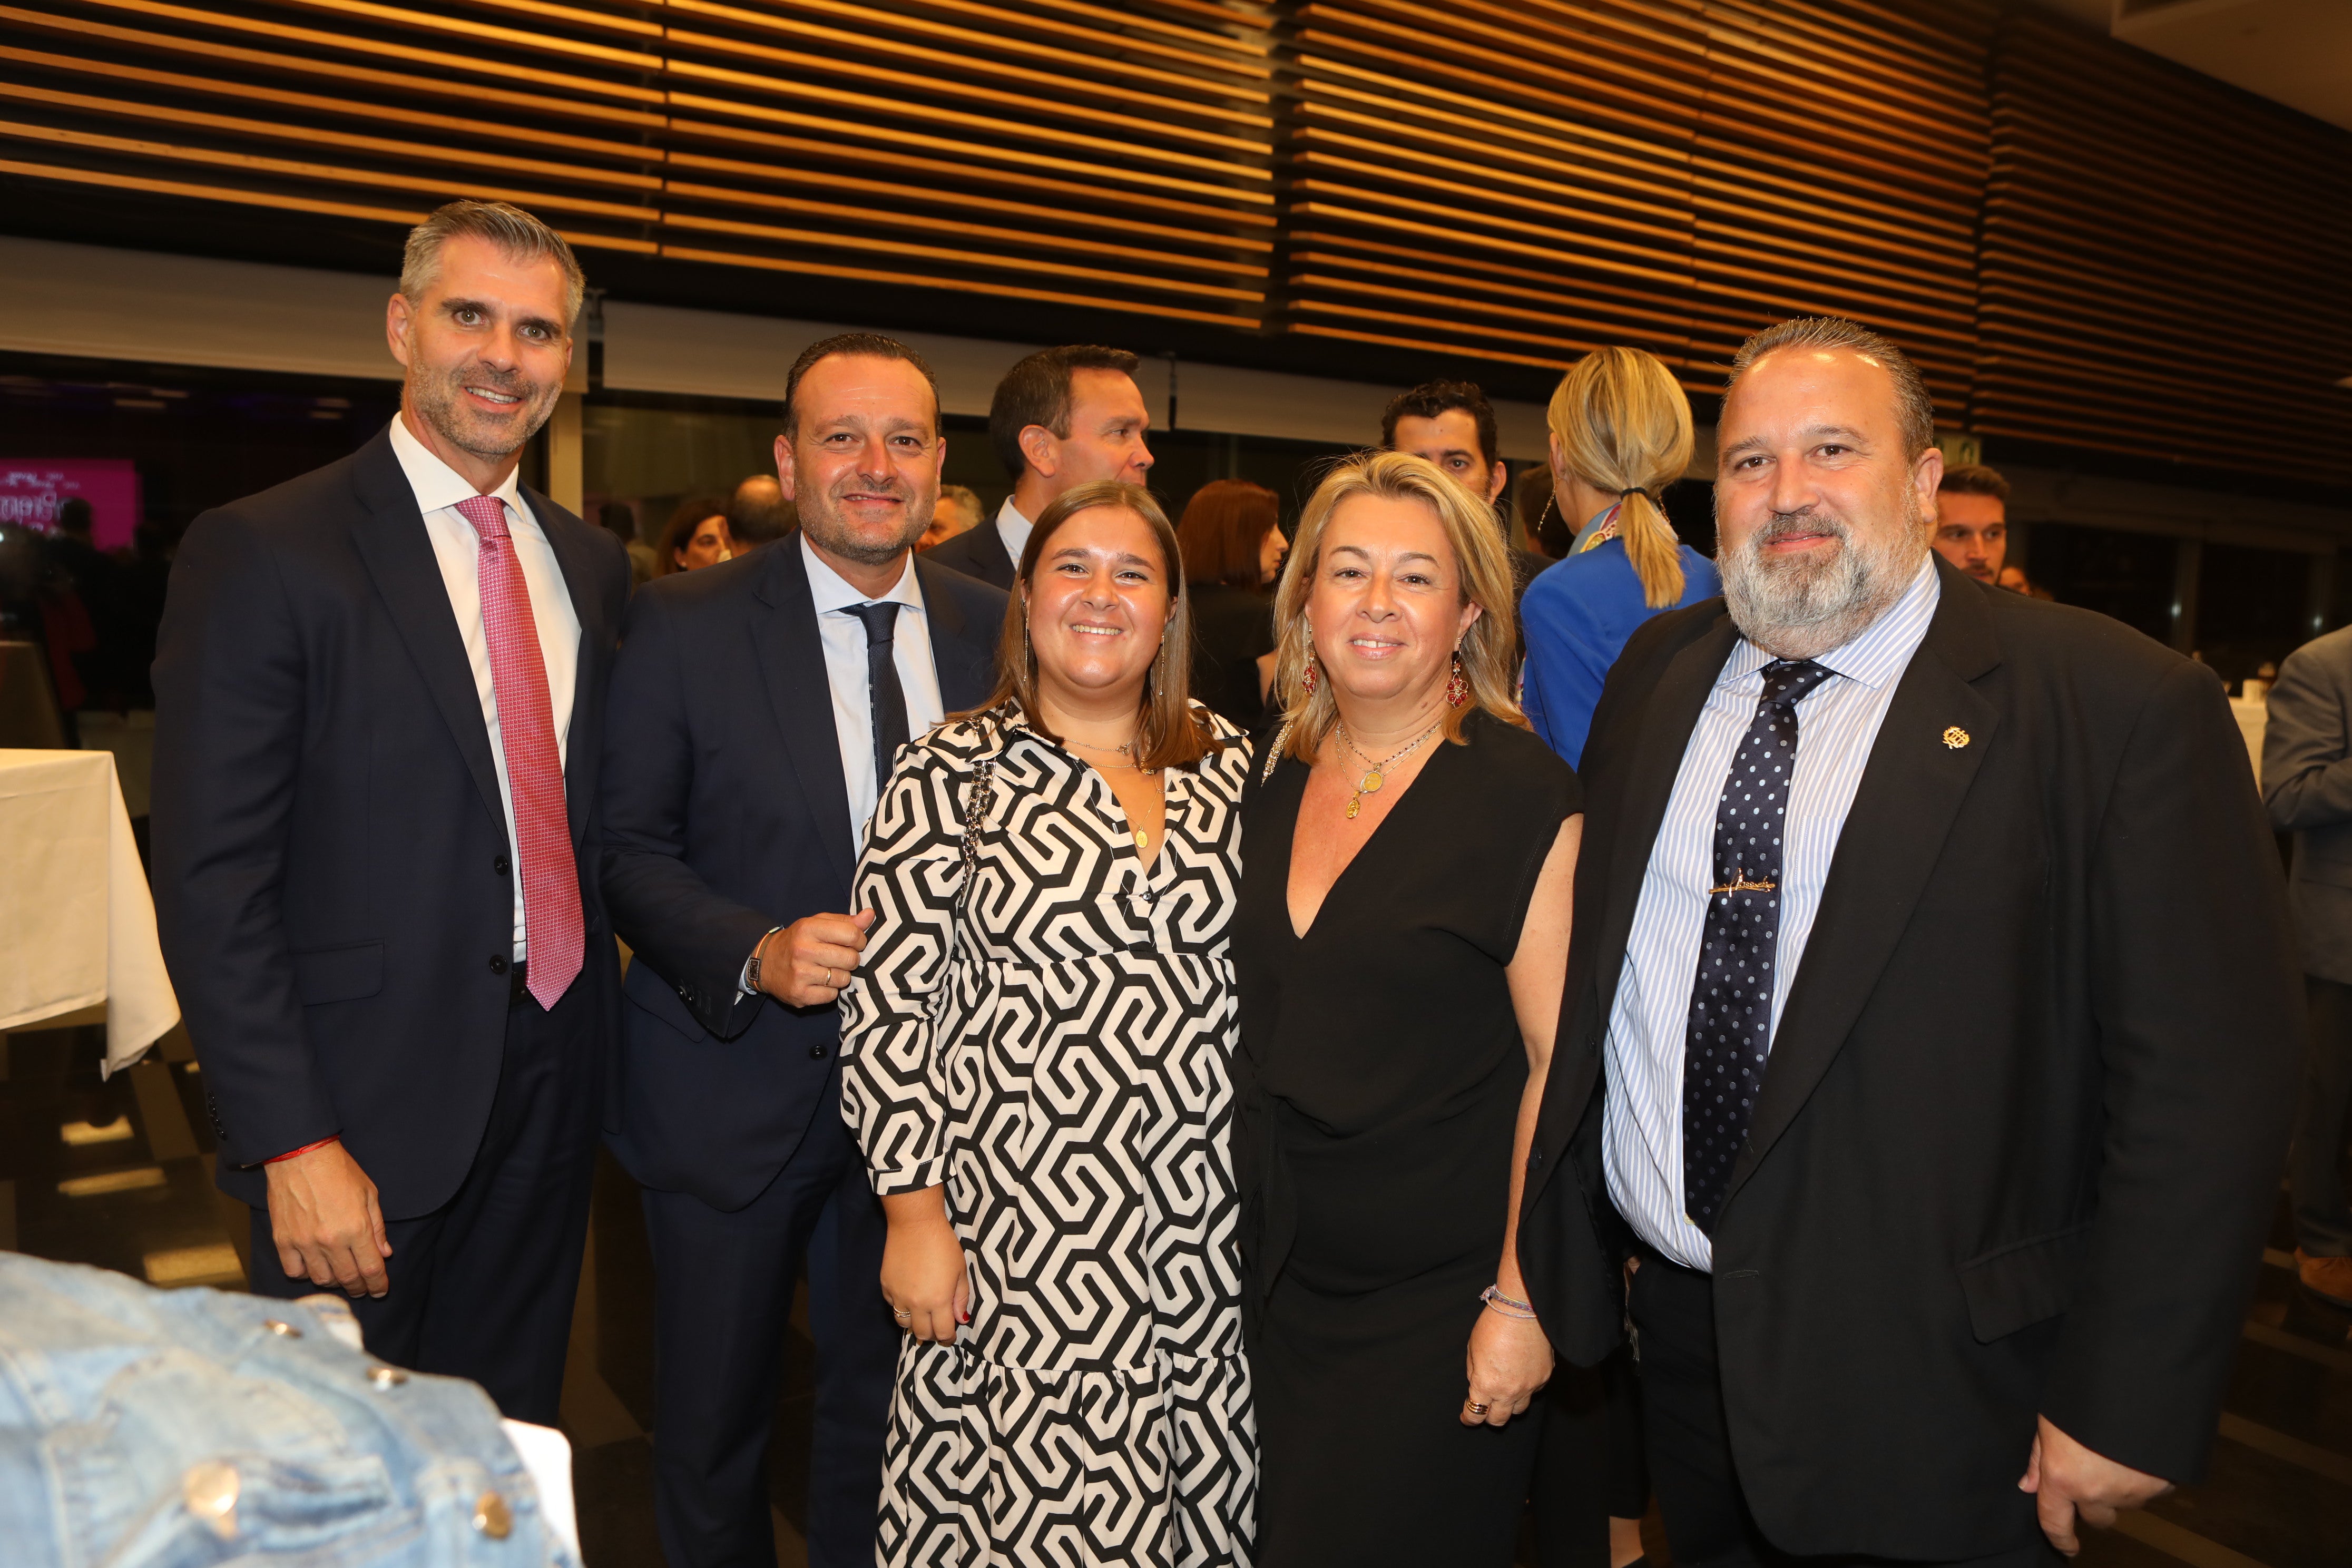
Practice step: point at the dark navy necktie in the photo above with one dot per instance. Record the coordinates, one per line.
(888, 698)
(1731, 1001)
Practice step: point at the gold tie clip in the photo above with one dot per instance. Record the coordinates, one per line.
(1740, 884)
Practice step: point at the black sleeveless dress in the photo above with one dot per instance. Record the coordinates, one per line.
(1380, 1080)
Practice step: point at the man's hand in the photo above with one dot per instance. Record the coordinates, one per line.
(2069, 1482)
(324, 1217)
(807, 963)
(923, 1275)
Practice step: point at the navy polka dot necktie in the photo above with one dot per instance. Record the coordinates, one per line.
(1731, 1001)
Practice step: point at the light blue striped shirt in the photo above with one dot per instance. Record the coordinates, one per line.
(1837, 722)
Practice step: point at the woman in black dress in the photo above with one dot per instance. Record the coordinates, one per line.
(1401, 943)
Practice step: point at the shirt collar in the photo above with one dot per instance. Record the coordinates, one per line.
(1013, 528)
(1873, 657)
(829, 591)
(439, 487)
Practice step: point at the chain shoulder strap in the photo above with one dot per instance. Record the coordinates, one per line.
(975, 818)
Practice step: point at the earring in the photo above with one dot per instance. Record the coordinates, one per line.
(1306, 676)
(1457, 685)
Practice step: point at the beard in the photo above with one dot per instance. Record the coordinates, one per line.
(1801, 607)
(825, 522)
(441, 403)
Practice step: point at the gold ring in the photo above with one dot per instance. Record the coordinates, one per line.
(1476, 1408)
(904, 1314)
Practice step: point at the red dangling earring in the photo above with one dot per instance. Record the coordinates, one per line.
(1306, 676)
(1457, 685)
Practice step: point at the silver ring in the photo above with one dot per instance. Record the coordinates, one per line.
(905, 1315)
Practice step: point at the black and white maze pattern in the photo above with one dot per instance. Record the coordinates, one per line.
(1058, 1053)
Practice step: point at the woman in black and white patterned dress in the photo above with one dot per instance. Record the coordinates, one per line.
(1036, 1057)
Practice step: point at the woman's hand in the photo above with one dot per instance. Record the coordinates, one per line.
(1510, 1361)
(923, 1275)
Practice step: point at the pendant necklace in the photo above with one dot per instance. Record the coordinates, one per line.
(1127, 753)
(1371, 780)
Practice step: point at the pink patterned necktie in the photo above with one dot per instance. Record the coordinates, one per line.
(551, 882)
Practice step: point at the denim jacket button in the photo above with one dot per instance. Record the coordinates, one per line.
(283, 1331)
(386, 1376)
(491, 1516)
(210, 1490)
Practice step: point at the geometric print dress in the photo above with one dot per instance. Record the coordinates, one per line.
(1057, 1049)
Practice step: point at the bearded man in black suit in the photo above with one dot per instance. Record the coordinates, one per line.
(1931, 1025)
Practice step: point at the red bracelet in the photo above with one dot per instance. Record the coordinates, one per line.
(303, 1150)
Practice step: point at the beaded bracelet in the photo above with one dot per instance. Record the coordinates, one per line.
(1496, 1301)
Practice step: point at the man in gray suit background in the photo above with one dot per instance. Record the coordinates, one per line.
(2307, 786)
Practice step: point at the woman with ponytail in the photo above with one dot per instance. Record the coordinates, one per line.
(1621, 432)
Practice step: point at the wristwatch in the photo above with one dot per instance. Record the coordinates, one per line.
(751, 968)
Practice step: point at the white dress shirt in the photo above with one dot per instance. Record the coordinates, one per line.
(844, 636)
(459, 550)
(1837, 722)
(1015, 529)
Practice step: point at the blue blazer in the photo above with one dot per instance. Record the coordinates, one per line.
(725, 816)
(333, 878)
(1576, 616)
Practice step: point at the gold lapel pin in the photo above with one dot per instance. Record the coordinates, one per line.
(1956, 737)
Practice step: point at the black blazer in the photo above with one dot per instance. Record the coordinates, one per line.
(332, 883)
(725, 815)
(2021, 1130)
(977, 553)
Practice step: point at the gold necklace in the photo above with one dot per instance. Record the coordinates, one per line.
(1142, 836)
(1371, 779)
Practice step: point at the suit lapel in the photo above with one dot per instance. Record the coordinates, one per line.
(792, 664)
(1670, 716)
(392, 542)
(966, 669)
(1637, 809)
(1911, 790)
(579, 750)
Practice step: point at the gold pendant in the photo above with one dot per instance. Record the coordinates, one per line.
(1370, 781)
(1142, 839)
(1355, 804)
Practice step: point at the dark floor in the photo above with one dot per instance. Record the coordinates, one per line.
(119, 1174)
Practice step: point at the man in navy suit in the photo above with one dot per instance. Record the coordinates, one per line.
(1060, 419)
(757, 707)
(380, 691)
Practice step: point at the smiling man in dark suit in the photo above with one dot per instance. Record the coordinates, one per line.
(379, 690)
(757, 707)
(1931, 1024)
(1060, 419)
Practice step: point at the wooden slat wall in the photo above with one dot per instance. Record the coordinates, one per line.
(1509, 179)
(1519, 180)
(1841, 155)
(2079, 244)
(2167, 267)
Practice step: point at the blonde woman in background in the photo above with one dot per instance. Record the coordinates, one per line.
(1400, 950)
(1621, 432)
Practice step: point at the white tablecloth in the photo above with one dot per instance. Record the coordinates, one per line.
(76, 925)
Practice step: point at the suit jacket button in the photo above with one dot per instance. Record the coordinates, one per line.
(498, 964)
(820, 1052)
(498, 863)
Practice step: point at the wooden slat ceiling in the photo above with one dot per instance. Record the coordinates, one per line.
(2097, 249)
(2164, 269)
(1055, 151)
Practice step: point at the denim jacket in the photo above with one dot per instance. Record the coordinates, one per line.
(144, 1428)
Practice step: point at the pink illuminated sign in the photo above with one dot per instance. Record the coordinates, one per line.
(32, 488)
